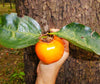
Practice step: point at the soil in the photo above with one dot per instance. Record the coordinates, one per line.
(11, 61)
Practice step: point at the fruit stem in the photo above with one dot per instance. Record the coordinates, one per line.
(51, 33)
(44, 37)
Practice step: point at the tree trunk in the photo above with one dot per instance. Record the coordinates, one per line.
(81, 67)
(30, 61)
(3, 2)
(10, 4)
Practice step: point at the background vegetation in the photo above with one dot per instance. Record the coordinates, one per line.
(11, 61)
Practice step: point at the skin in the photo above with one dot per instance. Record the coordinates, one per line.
(47, 73)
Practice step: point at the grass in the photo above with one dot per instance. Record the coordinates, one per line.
(11, 61)
(6, 9)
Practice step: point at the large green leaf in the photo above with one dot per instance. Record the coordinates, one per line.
(81, 36)
(17, 32)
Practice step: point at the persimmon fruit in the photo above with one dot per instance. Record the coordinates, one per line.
(49, 52)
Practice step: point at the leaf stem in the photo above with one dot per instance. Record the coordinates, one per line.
(52, 33)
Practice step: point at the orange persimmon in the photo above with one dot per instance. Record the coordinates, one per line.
(49, 52)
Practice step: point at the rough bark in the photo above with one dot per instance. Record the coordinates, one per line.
(3, 2)
(81, 67)
(10, 4)
(30, 61)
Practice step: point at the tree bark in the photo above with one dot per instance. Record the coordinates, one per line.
(3, 2)
(30, 62)
(81, 67)
(10, 4)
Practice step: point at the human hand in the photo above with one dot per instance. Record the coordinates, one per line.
(47, 73)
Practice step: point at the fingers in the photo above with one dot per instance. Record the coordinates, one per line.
(66, 45)
(54, 30)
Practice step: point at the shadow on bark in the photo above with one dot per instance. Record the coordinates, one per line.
(31, 62)
(79, 53)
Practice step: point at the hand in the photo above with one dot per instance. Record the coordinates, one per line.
(47, 73)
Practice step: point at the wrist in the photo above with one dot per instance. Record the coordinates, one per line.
(47, 77)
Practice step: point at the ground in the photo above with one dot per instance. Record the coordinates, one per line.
(11, 61)
(6, 9)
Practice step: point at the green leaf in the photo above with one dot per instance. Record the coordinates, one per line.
(17, 32)
(81, 36)
(14, 75)
(22, 73)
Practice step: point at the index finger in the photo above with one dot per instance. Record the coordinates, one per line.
(54, 30)
(66, 45)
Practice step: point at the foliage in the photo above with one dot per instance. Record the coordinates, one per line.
(23, 32)
(18, 32)
(11, 61)
(81, 36)
(14, 60)
(17, 78)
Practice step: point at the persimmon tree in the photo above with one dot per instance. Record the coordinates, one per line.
(16, 32)
(19, 32)
(10, 1)
(3, 2)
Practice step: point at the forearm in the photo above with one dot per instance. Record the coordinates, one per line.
(47, 78)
